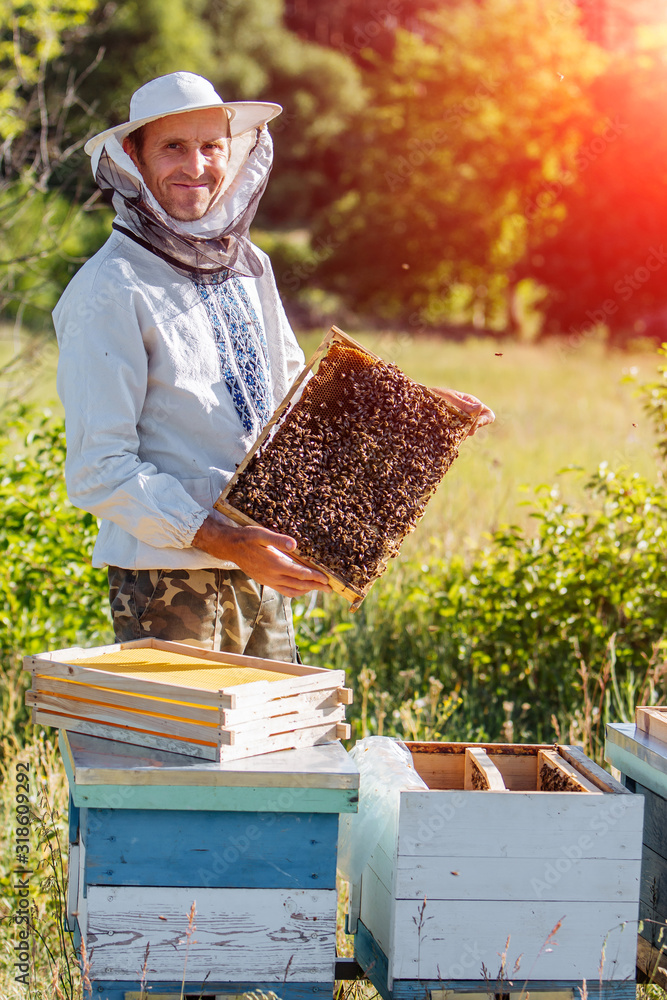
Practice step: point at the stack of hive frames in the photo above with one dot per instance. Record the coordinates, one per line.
(171, 696)
(348, 468)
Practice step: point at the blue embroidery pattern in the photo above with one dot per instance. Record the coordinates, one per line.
(244, 356)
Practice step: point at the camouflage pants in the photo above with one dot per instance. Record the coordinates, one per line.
(212, 608)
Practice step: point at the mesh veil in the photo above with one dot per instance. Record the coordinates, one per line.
(205, 258)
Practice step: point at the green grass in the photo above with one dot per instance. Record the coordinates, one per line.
(555, 408)
(28, 368)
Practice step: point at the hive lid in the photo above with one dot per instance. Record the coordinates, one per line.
(96, 761)
(637, 755)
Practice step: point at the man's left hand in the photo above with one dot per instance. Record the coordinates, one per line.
(469, 404)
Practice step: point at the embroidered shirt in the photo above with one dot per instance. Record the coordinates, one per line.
(244, 358)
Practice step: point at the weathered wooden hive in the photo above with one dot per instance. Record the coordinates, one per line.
(640, 754)
(172, 696)
(505, 869)
(247, 847)
(347, 467)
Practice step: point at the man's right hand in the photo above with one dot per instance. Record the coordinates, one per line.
(261, 554)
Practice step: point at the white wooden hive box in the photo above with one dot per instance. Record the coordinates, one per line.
(528, 851)
(176, 697)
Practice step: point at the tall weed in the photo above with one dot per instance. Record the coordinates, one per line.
(53, 970)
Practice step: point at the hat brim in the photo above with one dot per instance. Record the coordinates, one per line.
(244, 116)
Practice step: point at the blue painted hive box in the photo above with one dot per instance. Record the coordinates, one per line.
(222, 874)
(492, 869)
(176, 697)
(641, 757)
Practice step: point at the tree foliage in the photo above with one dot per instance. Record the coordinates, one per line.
(602, 255)
(43, 233)
(431, 163)
(32, 35)
(463, 128)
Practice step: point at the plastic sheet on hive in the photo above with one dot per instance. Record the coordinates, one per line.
(347, 467)
(385, 770)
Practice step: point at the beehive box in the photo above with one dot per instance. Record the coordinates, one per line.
(513, 867)
(250, 844)
(172, 696)
(652, 721)
(640, 753)
(347, 467)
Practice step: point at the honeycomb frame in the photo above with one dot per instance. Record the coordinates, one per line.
(318, 416)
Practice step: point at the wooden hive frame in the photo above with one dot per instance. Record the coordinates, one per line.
(290, 408)
(303, 707)
(515, 767)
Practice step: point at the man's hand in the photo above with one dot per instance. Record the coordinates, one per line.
(470, 404)
(261, 554)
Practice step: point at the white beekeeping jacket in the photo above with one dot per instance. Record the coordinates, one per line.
(154, 430)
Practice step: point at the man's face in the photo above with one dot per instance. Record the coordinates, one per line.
(183, 160)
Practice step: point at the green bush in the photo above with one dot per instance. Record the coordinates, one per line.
(540, 637)
(50, 596)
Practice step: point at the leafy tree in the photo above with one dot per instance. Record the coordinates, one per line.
(32, 34)
(319, 89)
(141, 39)
(42, 233)
(464, 126)
(602, 258)
(356, 27)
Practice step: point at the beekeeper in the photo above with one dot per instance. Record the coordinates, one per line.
(174, 351)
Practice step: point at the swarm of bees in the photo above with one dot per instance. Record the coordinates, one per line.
(352, 464)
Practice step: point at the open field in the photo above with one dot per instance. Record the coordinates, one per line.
(555, 408)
